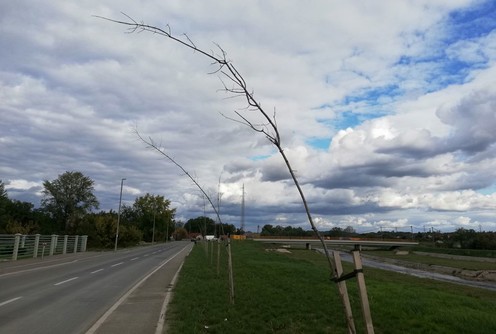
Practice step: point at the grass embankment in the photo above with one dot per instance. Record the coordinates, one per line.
(292, 293)
(433, 260)
(456, 251)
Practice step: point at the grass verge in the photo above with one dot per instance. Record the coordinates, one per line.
(431, 260)
(292, 293)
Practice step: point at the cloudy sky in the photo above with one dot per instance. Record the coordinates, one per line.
(386, 108)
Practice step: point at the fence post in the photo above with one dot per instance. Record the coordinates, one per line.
(23, 241)
(53, 244)
(16, 246)
(36, 245)
(84, 241)
(64, 249)
(76, 243)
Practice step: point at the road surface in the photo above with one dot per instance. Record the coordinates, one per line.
(69, 296)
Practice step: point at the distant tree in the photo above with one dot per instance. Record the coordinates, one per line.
(16, 216)
(267, 230)
(3, 192)
(46, 224)
(288, 231)
(100, 228)
(21, 218)
(104, 226)
(149, 209)
(226, 229)
(68, 198)
(270, 230)
(4, 201)
(485, 240)
(180, 233)
(203, 225)
(465, 238)
(349, 231)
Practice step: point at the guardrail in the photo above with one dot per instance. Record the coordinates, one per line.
(15, 246)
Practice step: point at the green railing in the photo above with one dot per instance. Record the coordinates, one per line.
(16, 246)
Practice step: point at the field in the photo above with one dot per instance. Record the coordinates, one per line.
(292, 293)
(432, 260)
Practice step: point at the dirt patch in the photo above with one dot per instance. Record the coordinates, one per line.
(278, 250)
(475, 275)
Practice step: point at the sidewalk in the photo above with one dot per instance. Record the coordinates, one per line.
(142, 309)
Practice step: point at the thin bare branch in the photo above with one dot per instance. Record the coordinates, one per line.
(240, 88)
(151, 144)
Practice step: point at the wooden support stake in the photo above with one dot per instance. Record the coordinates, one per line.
(343, 293)
(218, 258)
(363, 292)
(231, 278)
(212, 252)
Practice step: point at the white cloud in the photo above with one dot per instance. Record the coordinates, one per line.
(21, 184)
(73, 88)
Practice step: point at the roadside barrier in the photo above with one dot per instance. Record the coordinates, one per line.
(15, 246)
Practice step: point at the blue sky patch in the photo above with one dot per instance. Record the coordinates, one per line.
(473, 22)
(319, 143)
(372, 96)
(349, 119)
(488, 190)
(260, 157)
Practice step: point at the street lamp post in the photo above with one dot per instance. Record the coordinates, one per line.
(167, 228)
(118, 218)
(153, 232)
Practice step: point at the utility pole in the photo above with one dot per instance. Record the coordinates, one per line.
(167, 228)
(242, 226)
(153, 231)
(219, 195)
(118, 217)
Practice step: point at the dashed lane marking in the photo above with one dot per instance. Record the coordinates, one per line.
(9, 301)
(67, 280)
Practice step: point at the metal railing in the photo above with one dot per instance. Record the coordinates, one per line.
(15, 246)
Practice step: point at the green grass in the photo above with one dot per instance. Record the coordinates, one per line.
(292, 293)
(431, 260)
(423, 247)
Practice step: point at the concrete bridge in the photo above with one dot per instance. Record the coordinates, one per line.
(356, 242)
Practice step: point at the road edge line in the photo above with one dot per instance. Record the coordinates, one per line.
(168, 296)
(107, 314)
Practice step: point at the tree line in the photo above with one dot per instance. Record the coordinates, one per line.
(460, 238)
(69, 206)
(290, 231)
(207, 226)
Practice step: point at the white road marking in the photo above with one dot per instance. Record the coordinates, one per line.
(134, 259)
(107, 314)
(117, 264)
(93, 272)
(146, 254)
(9, 301)
(67, 280)
(168, 295)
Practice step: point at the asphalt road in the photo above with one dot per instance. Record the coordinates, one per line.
(70, 295)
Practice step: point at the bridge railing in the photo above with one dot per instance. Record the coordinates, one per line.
(15, 246)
